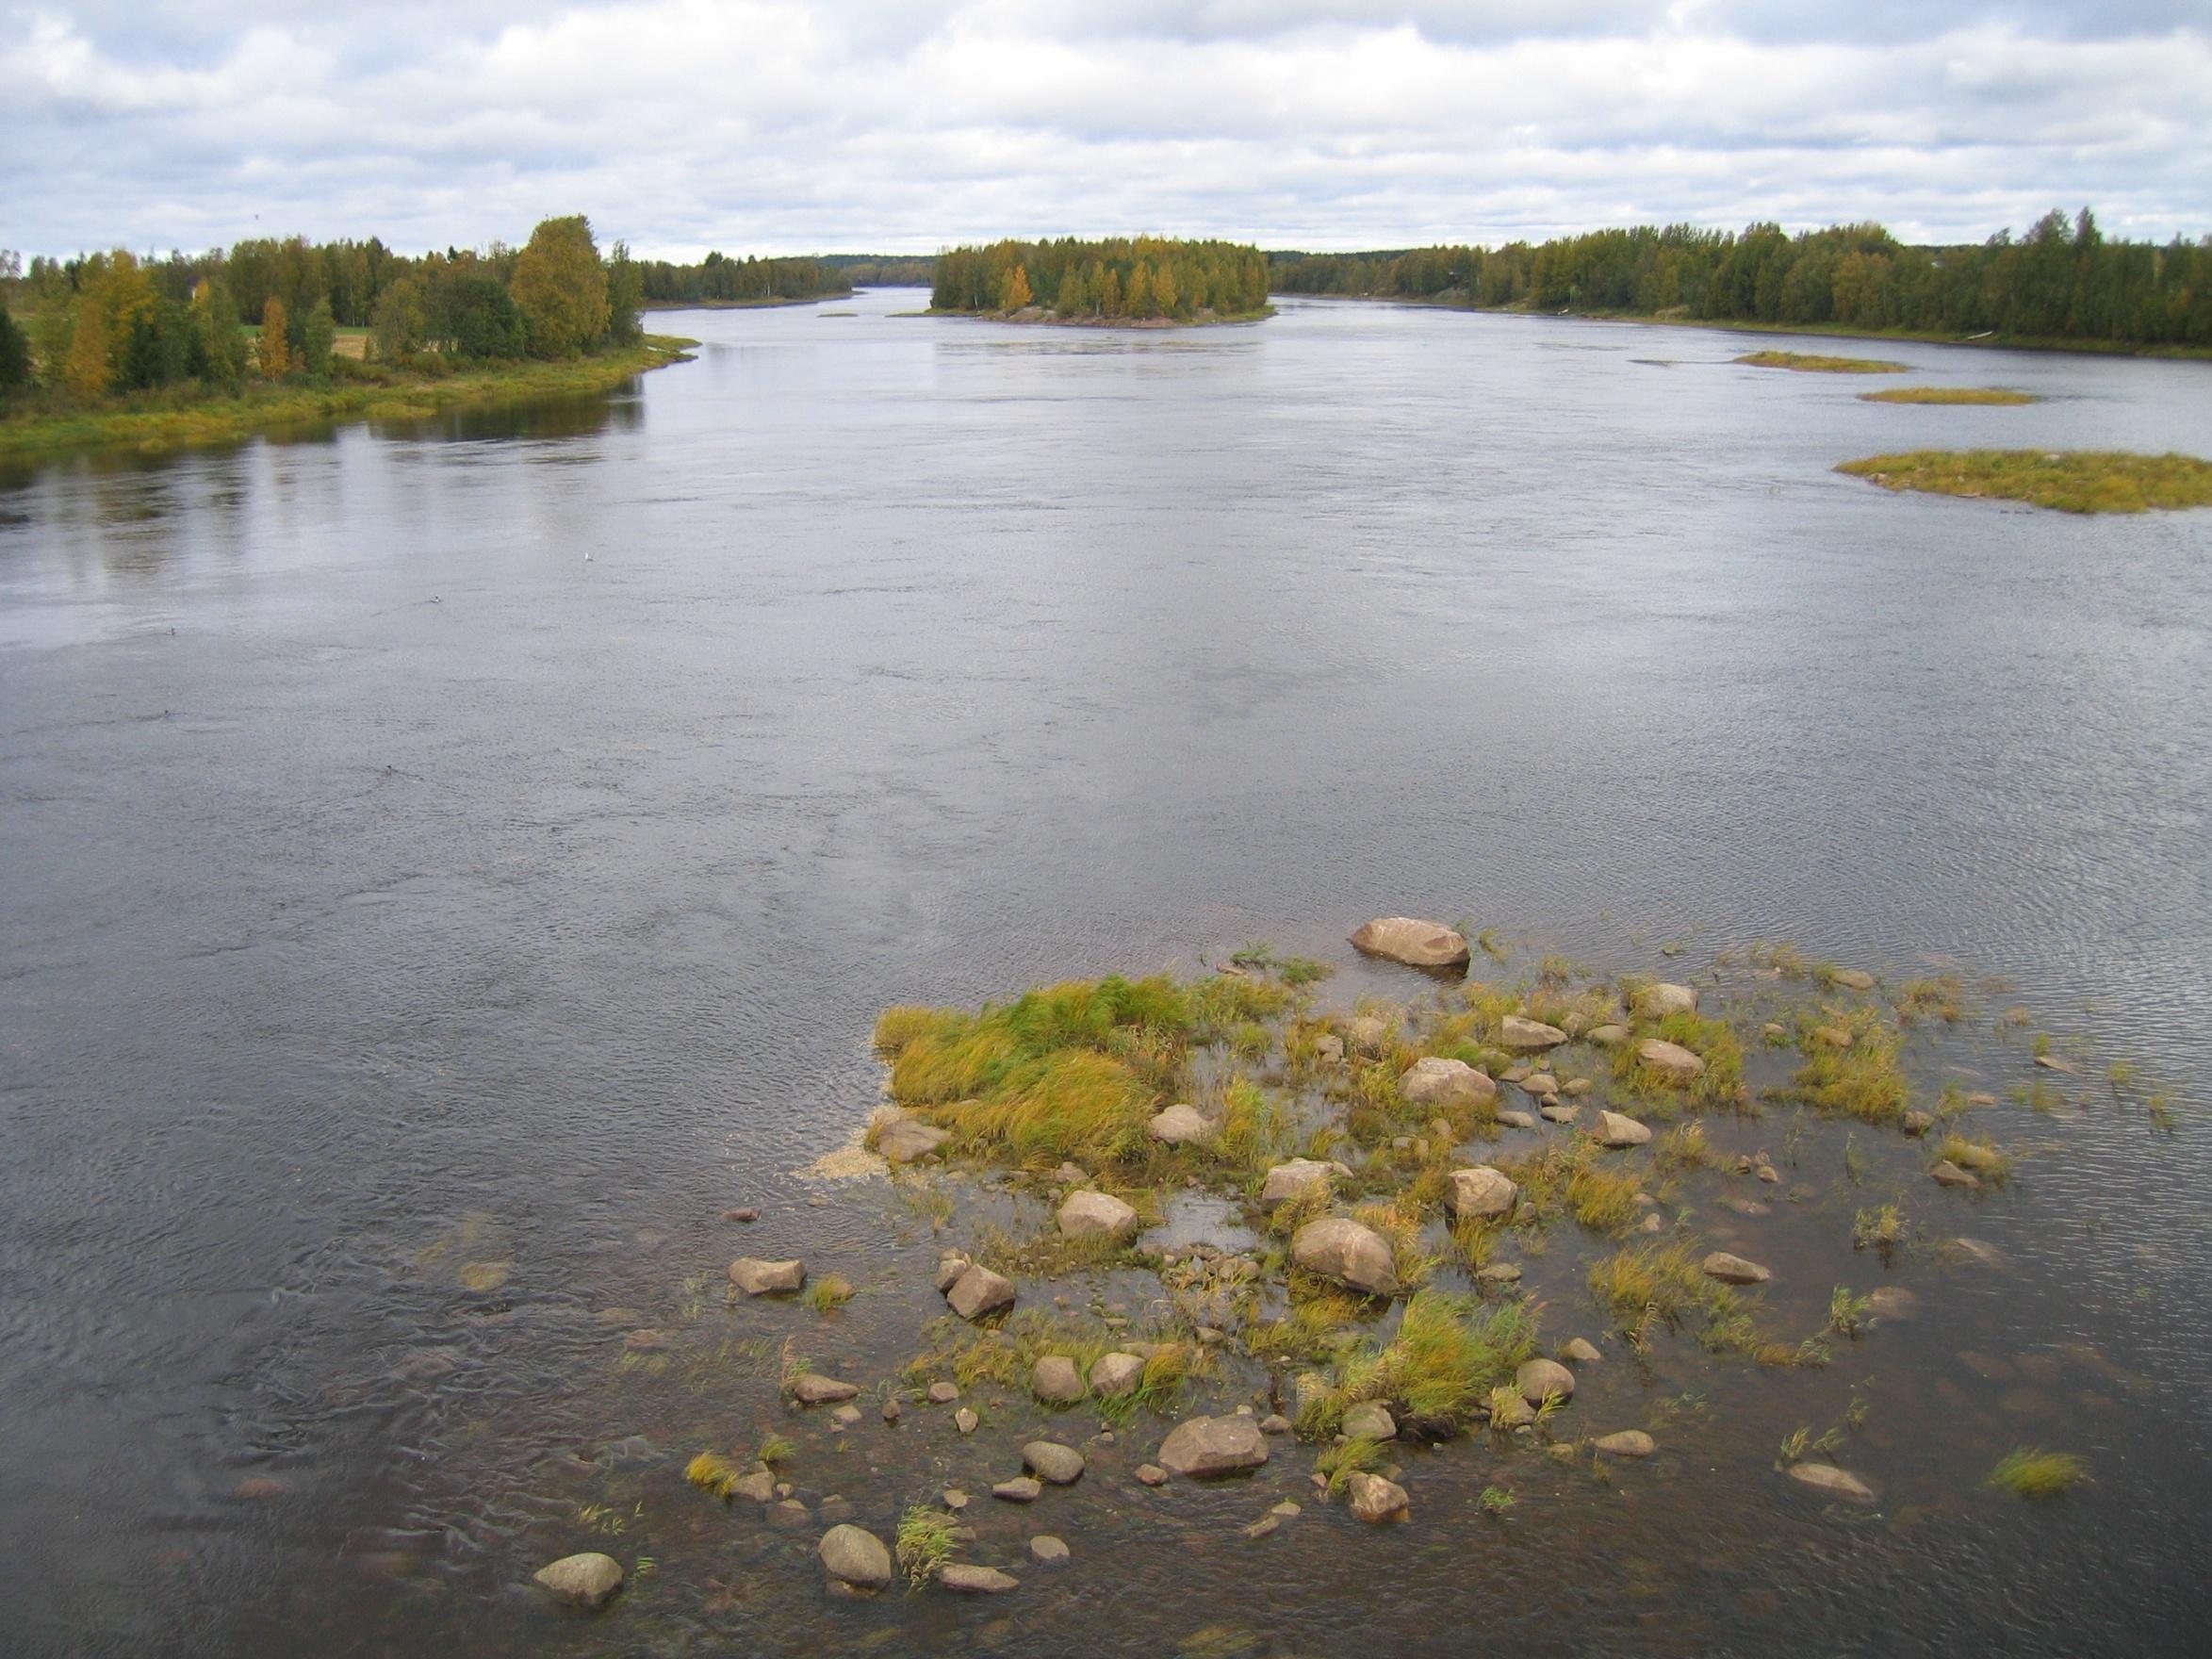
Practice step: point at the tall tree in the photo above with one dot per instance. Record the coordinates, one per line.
(273, 353)
(561, 288)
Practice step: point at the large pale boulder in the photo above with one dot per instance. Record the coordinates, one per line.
(1528, 1036)
(756, 1277)
(1297, 1179)
(812, 1388)
(1437, 1082)
(1341, 1249)
(1481, 1192)
(1206, 1446)
(1670, 1061)
(1097, 1215)
(1114, 1375)
(582, 1580)
(1617, 1131)
(1051, 1461)
(1417, 944)
(975, 1581)
(1627, 1443)
(978, 1292)
(1538, 1379)
(1056, 1380)
(1181, 1125)
(1371, 1419)
(855, 1555)
(1655, 1002)
(1834, 1482)
(909, 1141)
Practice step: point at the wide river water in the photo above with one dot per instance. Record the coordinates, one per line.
(490, 841)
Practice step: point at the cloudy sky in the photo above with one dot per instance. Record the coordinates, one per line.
(783, 125)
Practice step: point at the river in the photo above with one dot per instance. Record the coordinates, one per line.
(490, 841)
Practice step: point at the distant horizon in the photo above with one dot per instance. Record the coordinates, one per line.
(901, 126)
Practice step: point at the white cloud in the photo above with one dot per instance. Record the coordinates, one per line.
(781, 126)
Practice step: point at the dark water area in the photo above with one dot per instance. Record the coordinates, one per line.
(443, 866)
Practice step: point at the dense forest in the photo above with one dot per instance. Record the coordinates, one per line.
(80, 331)
(1070, 280)
(719, 280)
(2061, 281)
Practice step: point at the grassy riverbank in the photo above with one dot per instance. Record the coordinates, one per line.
(1812, 363)
(180, 421)
(1992, 395)
(2081, 481)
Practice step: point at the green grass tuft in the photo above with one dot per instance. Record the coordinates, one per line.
(2030, 1472)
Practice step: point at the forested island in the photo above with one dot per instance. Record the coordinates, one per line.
(109, 348)
(2063, 283)
(719, 280)
(1147, 280)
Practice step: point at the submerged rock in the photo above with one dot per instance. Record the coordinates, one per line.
(1151, 1474)
(1022, 1489)
(978, 1292)
(1628, 1443)
(1947, 1174)
(1852, 978)
(1373, 1498)
(1836, 1483)
(1734, 1269)
(855, 1555)
(1181, 1125)
(1436, 1081)
(756, 1277)
(1480, 1192)
(1341, 1249)
(1202, 1447)
(582, 1580)
(1047, 1548)
(1416, 942)
(1892, 1302)
(1528, 1035)
(1097, 1215)
(976, 1581)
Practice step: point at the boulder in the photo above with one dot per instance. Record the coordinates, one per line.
(1892, 1302)
(1515, 1413)
(1097, 1215)
(582, 1580)
(1528, 1035)
(1538, 1379)
(1022, 1489)
(1295, 1178)
(845, 1416)
(1369, 1421)
(1834, 1482)
(1617, 1131)
(1151, 1474)
(910, 1141)
(1481, 1192)
(1628, 1443)
(1437, 1082)
(976, 1581)
(966, 1421)
(1181, 1125)
(942, 1394)
(1576, 1086)
(1917, 1124)
(1670, 1061)
(1734, 1269)
(1608, 1035)
(1274, 1424)
(1369, 1034)
(950, 1266)
(1206, 1446)
(1540, 1083)
(1373, 1498)
(1581, 1352)
(1417, 944)
(1329, 1049)
(760, 1485)
(1947, 1174)
(1051, 1461)
(1517, 1120)
(812, 1388)
(1560, 1114)
(855, 1555)
(978, 1292)
(1056, 1380)
(1114, 1375)
(1340, 1249)
(1655, 1002)
(756, 1277)
(1047, 1548)
(1852, 978)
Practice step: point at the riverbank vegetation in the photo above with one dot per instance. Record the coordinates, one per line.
(718, 280)
(107, 348)
(1948, 394)
(2062, 282)
(1149, 279)
(1812, 363)
(2077, 481)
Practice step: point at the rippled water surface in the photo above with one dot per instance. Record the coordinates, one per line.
(442, 868)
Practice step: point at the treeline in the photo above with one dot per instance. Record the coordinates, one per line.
(105, 324)
(1146, 278)
(2061, 281)
(718, 279)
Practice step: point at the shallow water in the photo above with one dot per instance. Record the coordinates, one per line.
(389, 887)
